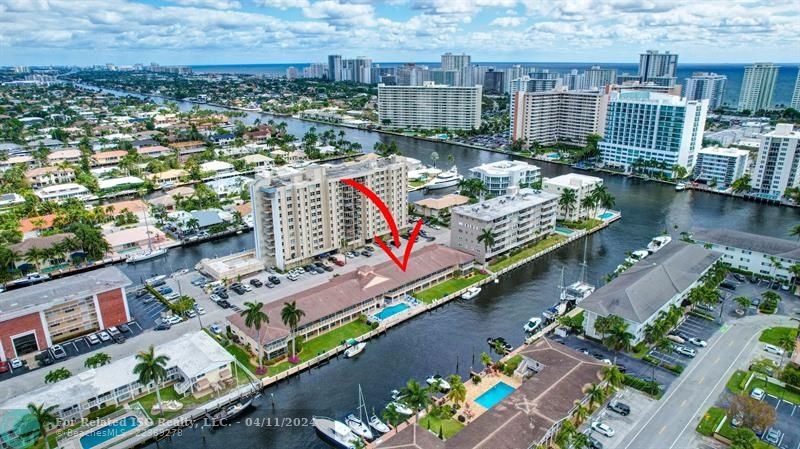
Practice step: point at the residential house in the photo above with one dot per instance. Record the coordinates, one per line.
(154, 151)
(71, 156)
(63, 192)
(47, 176)
(169, 178)
(108, 157)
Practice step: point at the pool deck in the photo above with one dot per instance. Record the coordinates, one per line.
(73, 441)
(488, 381)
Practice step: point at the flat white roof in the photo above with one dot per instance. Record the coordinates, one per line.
(722, 151)
(573, 179)
(500, 168)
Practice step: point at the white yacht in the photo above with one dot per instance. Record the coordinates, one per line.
(150, 252)
(532, 325)
(680, 187)
(637, 256)
(658, 242)
(354, 349)
(378, 425)
(471, 293)
(450, 178)
(556, 311)
(335, 432)
(439, 382)
(401, 408)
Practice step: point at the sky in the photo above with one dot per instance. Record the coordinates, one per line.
(199, 32)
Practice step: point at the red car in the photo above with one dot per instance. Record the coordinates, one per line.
(4, 367)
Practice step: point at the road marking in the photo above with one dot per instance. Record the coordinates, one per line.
(683, 403)
(716, 361)
(662, 430)
(701, 380)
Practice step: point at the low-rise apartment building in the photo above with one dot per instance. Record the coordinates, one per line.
(719, 167)
(582, 185)
(498, 176)
(758, 254)
(48, 176)
(36, 317)
(300, 214)
(521, 217)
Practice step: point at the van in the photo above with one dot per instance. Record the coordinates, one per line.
(619, 407)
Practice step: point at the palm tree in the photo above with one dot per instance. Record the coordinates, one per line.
(392, 416)
(596, 394)
(35, 256)
(794, 231)
(458, 392)
(786, 342)
(567, 201)
(99, 359)
(152, 368)
(486, 359)
(290, 315)
(580, 441)
(581, 412)
(743, 301)
(613, 377)
(45, 417)
(57, 375)
(486, 237)
(587, 203)
(619, 339)
(741, 185)
(254, 317)
(416, 395)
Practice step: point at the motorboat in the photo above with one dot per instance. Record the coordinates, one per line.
(658, 242)
(355, 348)
(680, 187)
(145, 255)
(580, 289)
(533, 324)
(358, 427)
(554, 312)
(155, 279)
(439, 382)
(378, 425)
(471, 293)
(30, 279)
(335, 432)
(231, 411)
(501, 342)
(637, 256)
(401, 408)
(449, 178)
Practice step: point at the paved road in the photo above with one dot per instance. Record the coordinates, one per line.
(671, 426)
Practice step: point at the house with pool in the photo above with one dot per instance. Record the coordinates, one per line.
(379, 292)
(197, 366)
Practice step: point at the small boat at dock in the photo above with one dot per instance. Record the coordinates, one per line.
(680, 187)
(658, 242)
(471, 293)
(231, 411)
(358, 423)
(532, 325)
(335, 432)
(377, 424)
(449, 178)
(355, 348)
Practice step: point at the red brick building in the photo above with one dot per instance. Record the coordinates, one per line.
(36, 317)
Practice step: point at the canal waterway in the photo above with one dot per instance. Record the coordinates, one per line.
(450, 339)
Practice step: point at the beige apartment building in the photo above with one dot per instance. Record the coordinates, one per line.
(430, 106)
(300, 214)
(582, 185)
(558, 115)
(520, 217)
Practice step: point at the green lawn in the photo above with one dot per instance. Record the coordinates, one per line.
(418, 183)
(775, 390)
(734, 383)
(774, 334)
(538, 246)
(169, 394)
(710, 421)
(450, 427)
(447, 287)
(586, 224)
(323, 343)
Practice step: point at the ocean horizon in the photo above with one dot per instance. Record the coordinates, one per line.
(784, 85)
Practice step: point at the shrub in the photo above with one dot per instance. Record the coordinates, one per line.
(101, 412)
(512, 364)
(476, 379)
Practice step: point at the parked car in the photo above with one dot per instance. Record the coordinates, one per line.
(215, 329)
(92, 339)
(214, 297)
(199, 309)
(271, 285)
(224, 304)
(256, 283)
(172, 296)
(190, 313)
(165, 290)
(274, 280)
(773, 436)
(124, 327)
(45, 358)
(366, 253)
(738, 277)
(688, 352)
(698, 342)
(728, 285)
(319, 270)
(619, 407)
(291, 277)
(58, 352)
(223, 294)
(772, 349)
(757, 394)
(593, 442)
(119, 338)
(162, 326)
(247, 288)
(112, 330)
(4, 368)
(16, 363)
(603, 428)
(174, 319)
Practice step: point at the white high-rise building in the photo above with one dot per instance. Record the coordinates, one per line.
(335, 67)
(598, 78)
(706, 86)
(720, 166)
(315, 70)
(291, 73)
(647, 126)
(796, 95)
(455, 62)
(430, 106)
(301, 214)
(758, 86)
(512, 73)
(498, 176)
(542, 83)
(777, 163)
(558, 115)
(658, 67)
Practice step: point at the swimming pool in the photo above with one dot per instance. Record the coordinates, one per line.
(391, 310)
(492, 396)
(108, 432)
(606, 215)
(564, 230)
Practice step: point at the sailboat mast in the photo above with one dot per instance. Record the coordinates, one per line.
(583, 264)
(362, 406)
(147, 230)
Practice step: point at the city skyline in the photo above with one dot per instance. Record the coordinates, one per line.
(200, 32)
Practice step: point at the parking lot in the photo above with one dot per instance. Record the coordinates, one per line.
(748, 289)
(691, 327)
(641, 406)
(787, 422)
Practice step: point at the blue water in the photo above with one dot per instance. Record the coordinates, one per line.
(563, 230)
(606, 215)
(784, 85)
(392, 310)
(108, 432)
(494, 395)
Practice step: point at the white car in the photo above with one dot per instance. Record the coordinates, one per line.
(174, 319)
(214, 298)
(757, 394)
(603, 428)
(215, 329)
(698, 342)
(92, 339)
(113, 330)
(247, 288)
(15, 363)
(772, 349)
(104, 336)
(200, 310)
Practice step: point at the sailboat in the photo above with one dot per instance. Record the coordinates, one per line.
(579, 290)
(150, 253)
(358, 424)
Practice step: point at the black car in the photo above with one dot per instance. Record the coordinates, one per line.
(118, 338)
(319, 270)
(162, 326)
(366, 253)
(775, 286)
(593, 443)
(224, 304)
(239, 290)
(45, 358)
(728, 285)
(256, 283)
(739, 277)
(622, 368)
(754, 279)
(124, 328)
(223, 294)
(274, 280)
(619, 407)
(327, 267)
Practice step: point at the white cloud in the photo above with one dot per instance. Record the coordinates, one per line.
(215, 4)
(507, 22)
(282, 4)
(340, 13)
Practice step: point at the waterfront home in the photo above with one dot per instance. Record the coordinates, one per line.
(582, 185)
(758, 254)
(217, 168)
(498, 176)
(108, 157)
(186, 149)
(650, 286)
(124, 183)
(196, 365)
(36, 317)
(47, 176)
(364, 290)
(69, 155)
(223, 139)
(169, 178)
(154, 151)
(436, 207)
(62, 192)
(30, 227)
(225, 187)
(521, 217)
(140, 237)
(257, 160)
(26, 161)
(8, 200)
(553, 379)
(23, 249)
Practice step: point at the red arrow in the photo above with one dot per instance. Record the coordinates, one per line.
(387, 215)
